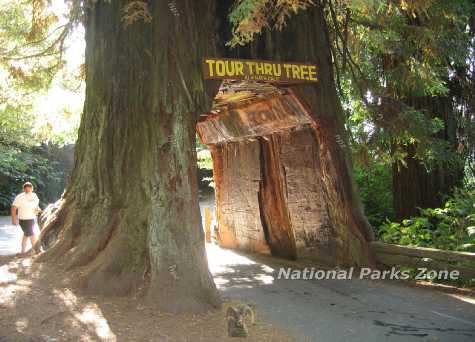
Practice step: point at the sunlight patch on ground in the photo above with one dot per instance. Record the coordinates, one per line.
(26, 262)
(219, 258)
(21, 325)
(91, 315)
(12, 287)
(19, 289)
(9, 294)
(226, 261)
(10, 237)
(265, 279)
(67, 296)
(6, 276)
(463, 298)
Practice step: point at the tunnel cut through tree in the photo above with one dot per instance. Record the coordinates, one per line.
(130, 215)
(325, 220)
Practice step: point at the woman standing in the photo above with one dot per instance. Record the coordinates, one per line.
(27, 204)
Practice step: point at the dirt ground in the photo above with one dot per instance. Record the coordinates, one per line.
(39, 304)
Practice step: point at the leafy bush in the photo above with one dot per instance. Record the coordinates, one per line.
(205, 168)
(375, 190)
(204, 159)
(451, 227)
(39, 165)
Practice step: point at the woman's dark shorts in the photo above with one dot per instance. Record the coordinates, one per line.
(27, 227)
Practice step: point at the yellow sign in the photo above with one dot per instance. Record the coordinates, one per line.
(257, 70)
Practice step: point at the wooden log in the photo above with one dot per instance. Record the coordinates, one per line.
(422, 252)
(466, 272)
(431, 258)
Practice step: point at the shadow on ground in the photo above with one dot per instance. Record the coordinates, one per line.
(39, 304)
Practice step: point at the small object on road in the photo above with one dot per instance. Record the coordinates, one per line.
(238, 318)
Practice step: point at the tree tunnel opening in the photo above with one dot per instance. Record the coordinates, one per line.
(262, 146)
(282, 183)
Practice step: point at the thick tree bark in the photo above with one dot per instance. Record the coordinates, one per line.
(414, 185)
(130, 215)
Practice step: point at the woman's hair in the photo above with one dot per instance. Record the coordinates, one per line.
(27, 184)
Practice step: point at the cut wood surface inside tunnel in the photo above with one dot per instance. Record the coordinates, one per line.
(252, 111)
(272, 200)
(270, 196)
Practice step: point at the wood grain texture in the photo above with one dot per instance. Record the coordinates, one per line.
(270, 197)
(257, 118)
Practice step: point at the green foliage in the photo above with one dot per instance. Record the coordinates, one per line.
(403, 47)
(411, 129)
(204, 160)
(244, 9)
(397, 59)
(451, 227)
(32, 39)
(15, 125)
(375, 190)
(205, 167)
(39, 165)
(31, 46)
(249, 17)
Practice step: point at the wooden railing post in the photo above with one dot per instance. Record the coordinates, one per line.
(207, 224)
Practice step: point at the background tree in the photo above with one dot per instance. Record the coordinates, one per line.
(399, 58)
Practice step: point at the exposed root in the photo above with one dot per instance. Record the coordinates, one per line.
(104, 246)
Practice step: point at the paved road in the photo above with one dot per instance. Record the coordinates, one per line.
(331, 310)
(343, 310)
(10, 237)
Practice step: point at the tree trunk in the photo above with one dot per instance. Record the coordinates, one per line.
(130, 215)
(414, 185)
(305, 39)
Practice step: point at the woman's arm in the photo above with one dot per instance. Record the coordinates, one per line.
(14, 219)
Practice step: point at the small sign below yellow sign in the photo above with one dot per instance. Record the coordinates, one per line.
(258, 70)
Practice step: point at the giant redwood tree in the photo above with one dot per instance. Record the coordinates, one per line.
(130, 213)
